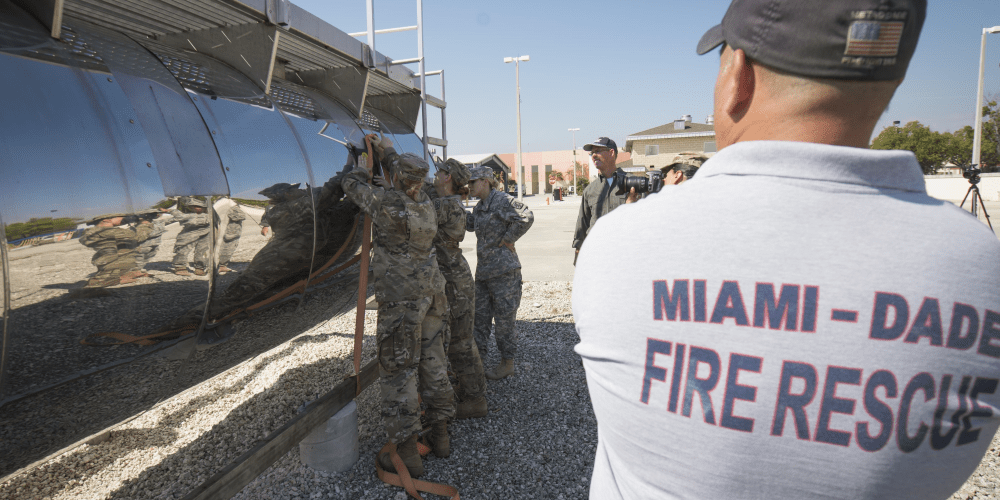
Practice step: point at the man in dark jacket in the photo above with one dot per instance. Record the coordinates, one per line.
(598, 197)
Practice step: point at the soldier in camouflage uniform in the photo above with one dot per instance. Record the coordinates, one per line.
(196, 229)
(231, 238)
(116, 245)
(150, 222)
(450, 185)
(498, 220)
(409, 289)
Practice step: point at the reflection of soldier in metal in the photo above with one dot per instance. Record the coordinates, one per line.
(278, 193)
(149, 221)
(116, 250)
(231, 238)
(289, 253)
(196, 228)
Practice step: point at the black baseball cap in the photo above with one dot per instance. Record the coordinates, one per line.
(601, 142)
(845, 39)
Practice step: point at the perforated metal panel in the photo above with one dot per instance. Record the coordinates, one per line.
(369, 121)
(208, 76)
(293, 101)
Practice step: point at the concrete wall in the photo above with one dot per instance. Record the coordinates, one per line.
(954, 187)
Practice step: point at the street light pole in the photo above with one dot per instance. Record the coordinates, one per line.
(574, 130)
(977, 138)
(517, 81)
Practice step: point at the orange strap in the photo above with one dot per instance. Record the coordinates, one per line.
(124, 338)
(403, 479)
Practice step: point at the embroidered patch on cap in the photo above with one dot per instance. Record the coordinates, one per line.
(875, 34)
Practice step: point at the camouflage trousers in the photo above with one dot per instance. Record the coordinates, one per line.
(463, 353)
(230, 241)
(146, 251)
(497, 299)
(412, 361)
(183, 246)
(112, 264)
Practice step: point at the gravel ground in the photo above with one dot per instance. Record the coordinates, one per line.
(538, 440)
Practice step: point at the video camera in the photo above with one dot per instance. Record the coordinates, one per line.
(650, 183)
(972, 173)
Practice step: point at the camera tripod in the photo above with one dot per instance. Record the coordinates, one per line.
(977, 199)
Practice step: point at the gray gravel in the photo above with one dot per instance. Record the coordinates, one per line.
(538, 440)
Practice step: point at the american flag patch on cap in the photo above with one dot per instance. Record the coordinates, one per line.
(874, 38)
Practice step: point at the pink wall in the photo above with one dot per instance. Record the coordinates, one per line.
(561, 161)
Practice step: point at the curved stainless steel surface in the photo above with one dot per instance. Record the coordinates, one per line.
(151, 198)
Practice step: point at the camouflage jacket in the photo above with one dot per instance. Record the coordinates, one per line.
(111, 239)
(290, 218)
(450, 233)
(236, 214)
(404, 261)
(193, 224)
(598, 200)
(497, 219)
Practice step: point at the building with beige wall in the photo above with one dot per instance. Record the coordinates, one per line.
(657, 146)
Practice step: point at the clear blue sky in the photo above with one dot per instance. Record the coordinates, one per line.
(617, 67)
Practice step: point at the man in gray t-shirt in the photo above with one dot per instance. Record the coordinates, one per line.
(808, 332)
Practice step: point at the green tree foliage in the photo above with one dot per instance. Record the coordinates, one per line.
(931, 148)
(934, 149)
(990, 153)
(38, 227)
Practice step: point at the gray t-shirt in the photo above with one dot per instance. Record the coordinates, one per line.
(802, 321)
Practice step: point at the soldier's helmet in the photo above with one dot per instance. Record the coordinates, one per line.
(457, 170)
(282, 191)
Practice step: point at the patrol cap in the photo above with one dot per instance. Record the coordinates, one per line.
(191, 201)
(603, 142)
(688, 158)
(99, 218)
(845, 39)
(278, 190)
(457, 170)
(481, 172)
(410, 167)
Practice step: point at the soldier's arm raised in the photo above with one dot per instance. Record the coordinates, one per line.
(360, 192)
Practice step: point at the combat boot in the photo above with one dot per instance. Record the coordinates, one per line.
(439, 439)
(472, 408)
(504, 369)
(199, 271)
(182, 271)
(223, 269)
(407, 451)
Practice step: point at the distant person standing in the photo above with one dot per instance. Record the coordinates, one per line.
(598, 197)
(499, 220)
(194, 235)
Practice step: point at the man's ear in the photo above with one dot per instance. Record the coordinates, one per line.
(738, 85)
